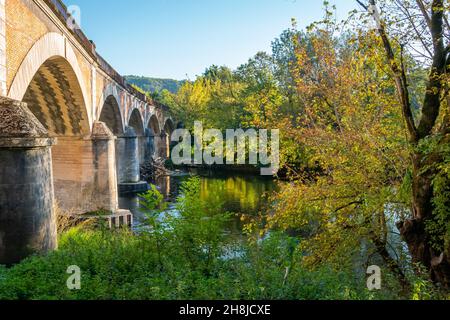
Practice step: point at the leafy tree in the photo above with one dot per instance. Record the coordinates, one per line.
(421, 28)
(155, 84)
(363, 110)
(351, 130)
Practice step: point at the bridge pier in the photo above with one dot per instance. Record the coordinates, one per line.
(85, 172)
(157, 145)
(142, 142)
(27, 216)
(166, 145)
(105, 175)
(149, 149)
(163, 148)
(128, 160)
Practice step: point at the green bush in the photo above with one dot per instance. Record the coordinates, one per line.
(183, 256)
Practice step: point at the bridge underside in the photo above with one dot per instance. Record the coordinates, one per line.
(72, 131)
(78, 172)
(81, 178)
(89, 166)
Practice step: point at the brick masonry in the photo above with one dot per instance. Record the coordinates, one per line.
(70, 89)
(62, 109)
(33, 34)
(2, 48)
(27, 216)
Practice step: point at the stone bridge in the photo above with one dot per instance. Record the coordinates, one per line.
(72, 131)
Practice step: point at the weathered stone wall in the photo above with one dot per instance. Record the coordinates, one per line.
(84, 174)
(27, 222)
(105, 175)
(31, 35)
(3, 89)
(27, 216)
(24, 26)
(128, 157)
(29, 21)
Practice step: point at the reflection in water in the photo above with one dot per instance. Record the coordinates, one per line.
(240, 194)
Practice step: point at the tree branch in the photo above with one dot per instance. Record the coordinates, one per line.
(399, 73)
(362, 5)
(411, 20)
(359, 202)
(424, 12)
(431, 105)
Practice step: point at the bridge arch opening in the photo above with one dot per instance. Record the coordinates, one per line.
(55, 97)
(137, 124)
(130, 155)
(112, 116)
(154, 133)
(169, 128)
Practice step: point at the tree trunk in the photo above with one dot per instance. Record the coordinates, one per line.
(414, 230)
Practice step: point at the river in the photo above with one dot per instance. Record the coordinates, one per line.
(243, 195)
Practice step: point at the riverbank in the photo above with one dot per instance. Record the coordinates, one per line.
(237, 169)
(124, 266)
(187, 256)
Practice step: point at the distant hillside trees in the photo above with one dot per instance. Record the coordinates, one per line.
(155, 85)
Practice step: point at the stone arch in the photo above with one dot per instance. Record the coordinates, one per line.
(54, 94)
(111, 115)
(112, 91)
(153, 125)
(169, 128)
(52, 56)
(153, 130)
(136, 122)
(169, 125)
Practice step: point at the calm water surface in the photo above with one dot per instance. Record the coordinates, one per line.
(243, 195)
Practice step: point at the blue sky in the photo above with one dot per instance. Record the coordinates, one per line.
(180, 38)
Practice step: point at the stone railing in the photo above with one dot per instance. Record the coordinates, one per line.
(60, 9)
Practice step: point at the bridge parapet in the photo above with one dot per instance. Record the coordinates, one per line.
(85, 106)
(61, 10)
